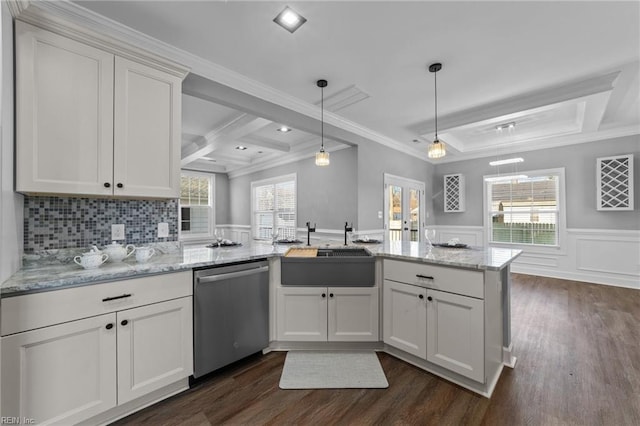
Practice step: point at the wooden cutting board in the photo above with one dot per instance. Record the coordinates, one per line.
(302, 252)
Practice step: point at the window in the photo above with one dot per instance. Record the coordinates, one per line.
(525, 209)
(273, 203)
(196, 205)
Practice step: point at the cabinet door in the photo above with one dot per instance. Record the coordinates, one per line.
(147, 133)
(302, 314)
(155, 347)
(353, 314)
(64, 114)
(455, 333)
(61, 374)
(405, 317)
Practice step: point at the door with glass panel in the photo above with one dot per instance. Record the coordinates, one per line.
(404, 208)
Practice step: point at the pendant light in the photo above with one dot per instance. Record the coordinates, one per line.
(322, 157)
(436, 149)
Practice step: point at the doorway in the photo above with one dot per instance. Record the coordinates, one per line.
(404, 201)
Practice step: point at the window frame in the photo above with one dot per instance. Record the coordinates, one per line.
(272, 181)
(561, 225)
(212, 210)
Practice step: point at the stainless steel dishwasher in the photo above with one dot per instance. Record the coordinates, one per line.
(231, 314)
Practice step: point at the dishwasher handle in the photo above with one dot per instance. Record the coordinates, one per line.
(220, 277)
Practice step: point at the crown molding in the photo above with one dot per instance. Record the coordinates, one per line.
(536, 99)
(551, 142)
(73, 21)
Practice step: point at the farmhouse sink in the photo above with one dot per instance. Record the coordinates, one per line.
(330, 267)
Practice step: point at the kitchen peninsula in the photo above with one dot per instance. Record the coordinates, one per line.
(432, 301)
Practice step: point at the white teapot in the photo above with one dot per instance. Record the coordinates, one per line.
(91, 259)
(118, 252)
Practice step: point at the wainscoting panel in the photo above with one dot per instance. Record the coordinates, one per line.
(601, 256)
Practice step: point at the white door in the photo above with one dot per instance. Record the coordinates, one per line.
(405, 208)
(155, 347)
(455, 333)
(353, 314)
(61, 374)
(147, 133)
(64, 114)
(405, 317)
(302, 314)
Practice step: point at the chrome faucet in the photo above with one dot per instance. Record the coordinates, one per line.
(309, 231)
(347, 228)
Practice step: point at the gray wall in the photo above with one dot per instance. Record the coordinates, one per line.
(221, 199)
(579, 162)
(374, 160)
(11, 219)
(327, 196)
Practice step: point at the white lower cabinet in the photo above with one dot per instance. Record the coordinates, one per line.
(61, 374)
(320, 314)
(72, 354)
(440, 325)
(405, 317)
(154, 347)
(455, 333)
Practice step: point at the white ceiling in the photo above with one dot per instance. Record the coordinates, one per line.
(565, 72)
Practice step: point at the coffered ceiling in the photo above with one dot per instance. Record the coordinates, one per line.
(564, 72)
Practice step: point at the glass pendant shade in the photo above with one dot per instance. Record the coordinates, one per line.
(322, 158)
(436, 150)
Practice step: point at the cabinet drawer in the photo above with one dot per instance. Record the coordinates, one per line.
(459, 281)
(30, 311)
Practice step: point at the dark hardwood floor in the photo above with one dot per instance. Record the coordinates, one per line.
(578, 349)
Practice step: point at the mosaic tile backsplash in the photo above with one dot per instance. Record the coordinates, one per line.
(66, 222)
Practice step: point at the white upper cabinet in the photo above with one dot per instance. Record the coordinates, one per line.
(64, 114)
(90, 122)
(147, 132)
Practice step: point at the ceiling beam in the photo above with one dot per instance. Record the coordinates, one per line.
(241, 125)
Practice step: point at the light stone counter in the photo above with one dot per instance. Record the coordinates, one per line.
(55, 269)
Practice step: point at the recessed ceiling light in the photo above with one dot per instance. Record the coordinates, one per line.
(506, 161)
(284, 129)
(289, 19)
(241, 147)
(509, 126)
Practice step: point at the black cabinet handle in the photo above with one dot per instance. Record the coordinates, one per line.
(107, 299)
(429, 298)
(330, 294)
(107, 185)
(109, 326)
(119, 185)
(124, 322)
(324, 295)
(420, 296)
(424, 276)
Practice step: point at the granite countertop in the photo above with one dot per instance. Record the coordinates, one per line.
(55, 269)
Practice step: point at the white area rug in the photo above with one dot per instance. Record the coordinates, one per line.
(332, 370)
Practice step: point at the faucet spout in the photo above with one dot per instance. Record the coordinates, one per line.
(309, 231)
(347, 228)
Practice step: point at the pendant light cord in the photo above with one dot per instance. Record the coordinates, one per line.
(322, 117)
(435, 89)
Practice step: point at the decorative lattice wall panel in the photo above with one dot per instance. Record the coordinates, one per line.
(615, 182)
(454, 193)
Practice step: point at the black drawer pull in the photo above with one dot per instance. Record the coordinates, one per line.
(107, 299)
(119, 185)
(424, 276)
(324, 295)
(421, 296)
(109, 326)
(429, 298)
(107, 185)
(330, 294)
(124, 322)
